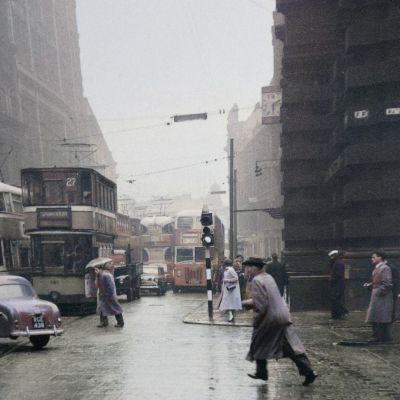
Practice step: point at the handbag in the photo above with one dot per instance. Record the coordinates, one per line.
(230, 288)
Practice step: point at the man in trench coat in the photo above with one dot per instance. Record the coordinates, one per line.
(379, 313)
(273, 334)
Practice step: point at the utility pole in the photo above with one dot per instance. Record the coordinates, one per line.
(231, 200)
(234, 214)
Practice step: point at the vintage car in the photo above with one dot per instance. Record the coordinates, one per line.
(153, 279)
(127, 280)
(23, 314)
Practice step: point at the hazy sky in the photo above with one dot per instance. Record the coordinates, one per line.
(146, 60)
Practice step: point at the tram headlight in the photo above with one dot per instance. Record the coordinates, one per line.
(55, 296)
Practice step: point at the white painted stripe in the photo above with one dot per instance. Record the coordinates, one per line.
(208, 273)
(209, 295)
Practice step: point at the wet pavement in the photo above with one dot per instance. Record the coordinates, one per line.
(157, 356)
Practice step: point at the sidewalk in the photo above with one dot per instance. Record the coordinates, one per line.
(352, 330)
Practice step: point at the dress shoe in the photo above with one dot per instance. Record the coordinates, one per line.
(310, 378)
(232, 319)
(102, 325)
(118, 325)
(257, 375)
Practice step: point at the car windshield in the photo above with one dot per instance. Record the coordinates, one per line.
(15, 290)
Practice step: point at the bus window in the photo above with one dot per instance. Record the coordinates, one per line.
(5, 202)
(199, 254)
(184, 255)
(17, 203)
(185, 223)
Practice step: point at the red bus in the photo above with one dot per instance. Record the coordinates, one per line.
(189, 257)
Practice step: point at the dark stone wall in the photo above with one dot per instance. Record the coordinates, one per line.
(340, 135)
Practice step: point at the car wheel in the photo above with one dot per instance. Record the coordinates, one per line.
(40, 341)
(129, 295)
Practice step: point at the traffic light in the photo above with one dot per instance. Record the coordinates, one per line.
(206, 220)
(208, 237)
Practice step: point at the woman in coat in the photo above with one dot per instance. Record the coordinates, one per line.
(380, 308)
(107, 301)
(230, 292)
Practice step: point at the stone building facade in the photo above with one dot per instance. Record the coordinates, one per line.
(340, 147)
(257, 165)
(45, 120)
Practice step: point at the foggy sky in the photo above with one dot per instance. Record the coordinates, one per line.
(146, 60)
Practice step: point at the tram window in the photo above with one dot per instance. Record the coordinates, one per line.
(53, 254)
(53, 192)
(86, 187)
(185, 223)
(184, 255)
(199, 254)
(2, 203)
(17, 203)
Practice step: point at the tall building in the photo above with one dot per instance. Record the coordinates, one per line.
(340, 151)
(45, 120)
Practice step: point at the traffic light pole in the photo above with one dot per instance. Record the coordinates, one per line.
(209, 284)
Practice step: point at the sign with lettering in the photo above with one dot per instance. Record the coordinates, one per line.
(54, 218)
(361, 114)
(393, 111)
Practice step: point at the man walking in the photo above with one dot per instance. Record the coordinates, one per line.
(379, 313)
(337, 285)
(273, 334)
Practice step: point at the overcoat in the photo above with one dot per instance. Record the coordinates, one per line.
(107, 301)
(230, 299)
(272, 325)
(381, 303)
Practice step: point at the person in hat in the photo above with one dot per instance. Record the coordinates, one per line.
(230, 300)
(278, 271)
(273, 334)
(379, 313)
(337, 285)
(107, 301)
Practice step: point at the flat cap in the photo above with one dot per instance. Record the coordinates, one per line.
(254, 262)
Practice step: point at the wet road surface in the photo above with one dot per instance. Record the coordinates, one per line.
(156, 356)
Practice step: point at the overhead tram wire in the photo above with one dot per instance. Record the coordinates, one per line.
(161, 171)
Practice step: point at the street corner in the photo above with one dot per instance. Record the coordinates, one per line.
(200, 316)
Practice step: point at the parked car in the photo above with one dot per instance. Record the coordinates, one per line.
(154, 279)
(23, 314)
(127, 280)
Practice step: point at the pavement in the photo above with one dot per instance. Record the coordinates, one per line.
(156, 356)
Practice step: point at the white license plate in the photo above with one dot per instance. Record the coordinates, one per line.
(38, 322)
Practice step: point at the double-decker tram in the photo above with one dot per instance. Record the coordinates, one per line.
(14, 245)
(189, 262)
(70, 215)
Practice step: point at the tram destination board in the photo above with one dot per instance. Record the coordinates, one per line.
(54, 218)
